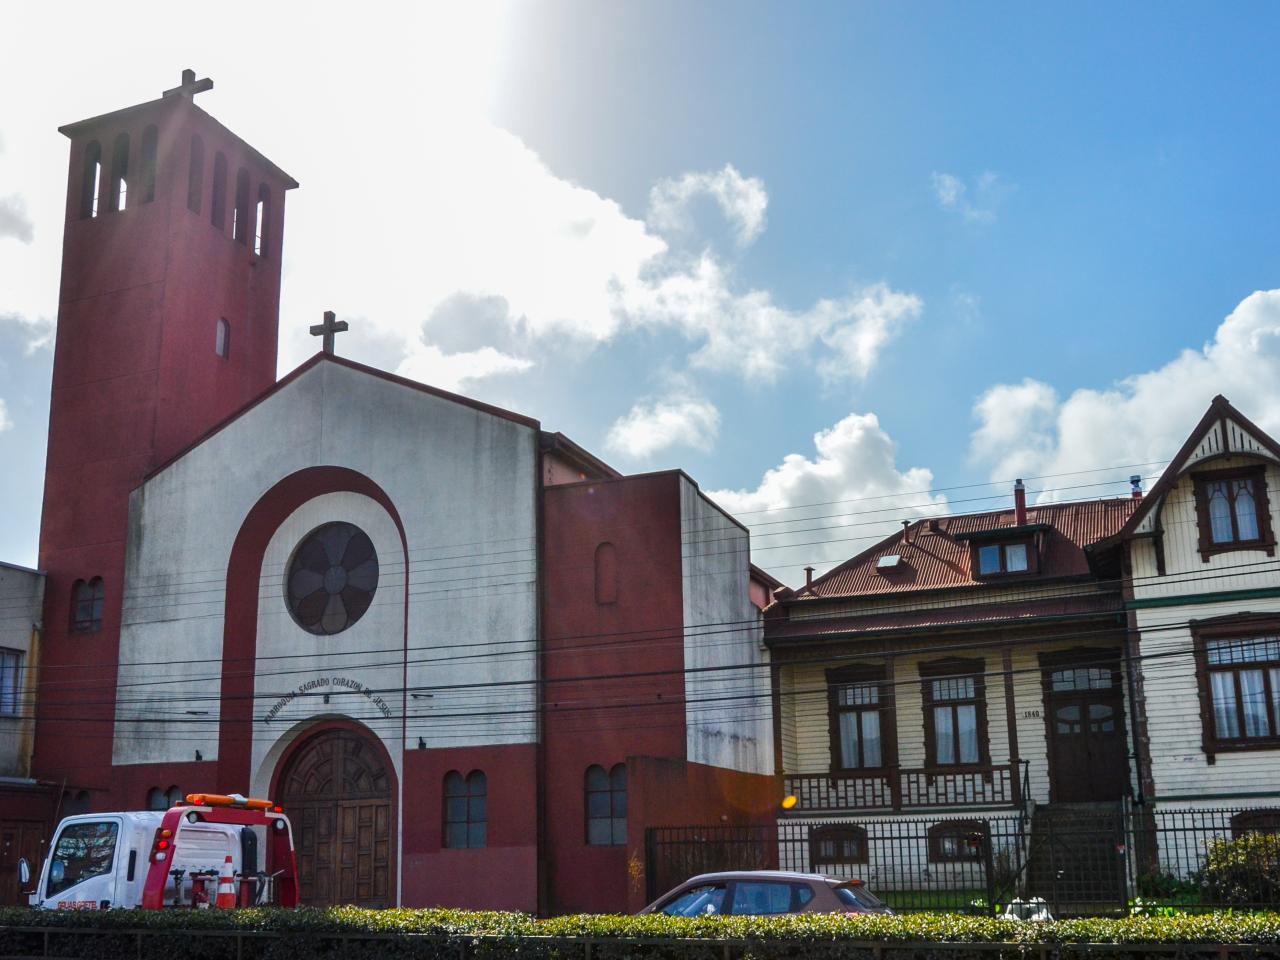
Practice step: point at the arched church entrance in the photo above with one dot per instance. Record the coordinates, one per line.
(336, 788)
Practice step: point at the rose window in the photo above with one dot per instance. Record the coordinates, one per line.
(332, 578)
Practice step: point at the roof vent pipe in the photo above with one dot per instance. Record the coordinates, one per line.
(808, 576)
(1019, 503)
(1135, 482)
(906, 531)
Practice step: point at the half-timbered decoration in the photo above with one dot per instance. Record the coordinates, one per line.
(966, 670)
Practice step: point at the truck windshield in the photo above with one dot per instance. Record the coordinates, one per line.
(83, 850)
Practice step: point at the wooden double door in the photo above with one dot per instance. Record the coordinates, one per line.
(337, 791)
(1088, 749)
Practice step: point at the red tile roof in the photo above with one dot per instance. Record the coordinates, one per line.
(933, 557)
(944, 616)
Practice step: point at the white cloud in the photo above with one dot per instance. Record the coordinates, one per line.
(14, 221)
(5, 422)
(37, 332)
(851, 491)
(652, 426)
(453, 371)
(1026, 429)
(953, 196)
(742, 200)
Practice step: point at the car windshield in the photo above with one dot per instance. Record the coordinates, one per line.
(83, 850)
(858, 896)
(708, 898)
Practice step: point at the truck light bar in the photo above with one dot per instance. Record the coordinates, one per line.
(231, 800)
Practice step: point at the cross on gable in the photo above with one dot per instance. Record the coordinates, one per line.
(190, 86)
(327, 329)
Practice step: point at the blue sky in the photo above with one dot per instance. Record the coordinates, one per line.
(960, 242)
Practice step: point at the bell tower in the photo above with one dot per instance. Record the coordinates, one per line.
(167, 323)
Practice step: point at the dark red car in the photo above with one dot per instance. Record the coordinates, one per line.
(755, 893)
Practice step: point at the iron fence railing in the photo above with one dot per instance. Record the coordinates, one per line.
(898, 788)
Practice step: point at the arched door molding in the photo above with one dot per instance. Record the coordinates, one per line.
(337, 784)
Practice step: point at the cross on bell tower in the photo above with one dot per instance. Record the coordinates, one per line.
(327, 329)
(190, 86)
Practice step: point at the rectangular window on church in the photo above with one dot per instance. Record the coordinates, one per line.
(10, 682)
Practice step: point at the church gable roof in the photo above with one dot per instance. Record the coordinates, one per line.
(298, 372)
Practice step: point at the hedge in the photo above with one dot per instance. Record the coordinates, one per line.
(348, 932)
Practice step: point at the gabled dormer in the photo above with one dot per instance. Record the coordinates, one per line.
(1212, 499)
(1016, 551)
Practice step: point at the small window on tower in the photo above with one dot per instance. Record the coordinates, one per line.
(148, 169)
(222, 339)
(195, 175)
(92, 184)
(120, 173)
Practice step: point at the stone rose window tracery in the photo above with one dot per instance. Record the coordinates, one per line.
(332, 578)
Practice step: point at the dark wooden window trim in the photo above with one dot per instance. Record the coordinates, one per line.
(1243, 627)
(837, 834)
(88, 601)
(1265, 541)
(1033, 558)
(1259, 820)
(878, 674)
(957, 667)
(966, 830)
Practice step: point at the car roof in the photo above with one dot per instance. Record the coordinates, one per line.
(764, 875)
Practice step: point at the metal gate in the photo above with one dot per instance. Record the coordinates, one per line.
(674, 854)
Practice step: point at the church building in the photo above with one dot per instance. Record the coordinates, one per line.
(472, 661)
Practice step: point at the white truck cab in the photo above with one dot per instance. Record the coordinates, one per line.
(148, 858)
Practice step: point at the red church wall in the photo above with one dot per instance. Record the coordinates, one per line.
(613, 683)
(673, 793)
(500, 876)
(135, 378)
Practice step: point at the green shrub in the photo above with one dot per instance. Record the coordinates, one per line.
(355, 934)
(1244, 871)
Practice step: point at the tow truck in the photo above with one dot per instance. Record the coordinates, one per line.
(201, 852)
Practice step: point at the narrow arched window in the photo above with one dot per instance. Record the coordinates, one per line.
(606, 574)
(222, 338)
(147, 167)
(261, 219)
(172, 796)
(218, 202)
(466, 813)
(86, 605)
(606, 801)
(837, 845)
(240, 216)
(156, 799)
(120, 173)
(195, 175)
(91, 182)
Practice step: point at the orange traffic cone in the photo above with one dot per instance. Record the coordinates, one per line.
(226, 886)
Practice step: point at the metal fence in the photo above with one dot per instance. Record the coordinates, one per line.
(1082, 859)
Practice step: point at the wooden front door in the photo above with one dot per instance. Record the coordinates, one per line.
(1088, 755)
(337, 791)
(18, 838)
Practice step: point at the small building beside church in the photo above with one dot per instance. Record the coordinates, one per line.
(455, 646)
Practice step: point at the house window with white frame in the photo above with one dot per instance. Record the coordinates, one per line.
(10, 682)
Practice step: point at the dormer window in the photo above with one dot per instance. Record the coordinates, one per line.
(998, 558)
(1232, 511)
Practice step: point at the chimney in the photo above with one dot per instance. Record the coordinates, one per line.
(906, 531)
(1019, 503)
(808, 577)
(1135, 482)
